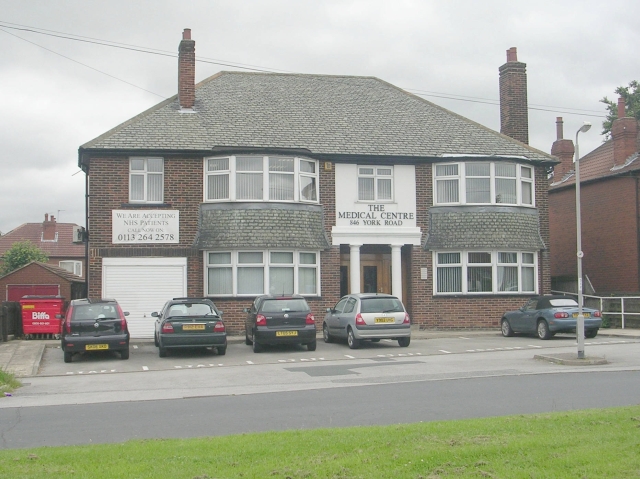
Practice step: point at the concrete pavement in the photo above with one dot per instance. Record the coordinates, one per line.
(22, 357)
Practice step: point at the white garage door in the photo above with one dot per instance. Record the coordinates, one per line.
(143, 285)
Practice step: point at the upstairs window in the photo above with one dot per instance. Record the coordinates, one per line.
(146, 180)
(375, 183)
(483, 183)
(74, 267)
(261, 178)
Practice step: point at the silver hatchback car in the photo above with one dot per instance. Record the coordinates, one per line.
(367, 316)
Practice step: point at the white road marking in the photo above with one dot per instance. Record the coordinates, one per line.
(471, 350)
(531, 346)
(462, 337)
(145, 368)
(250, 362)
(480, 350)
(446, 352)
(135, 346)
(350, 357)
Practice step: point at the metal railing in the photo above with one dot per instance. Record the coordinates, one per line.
(623, 306)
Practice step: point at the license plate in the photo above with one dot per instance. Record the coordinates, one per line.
(193, 327)
(586, 315)
(94, 347)
(385, 320)
(286, 333)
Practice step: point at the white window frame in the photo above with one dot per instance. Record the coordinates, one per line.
(376, 176)
(232, 172)
(145, 173)
(266, 264)
(76, 266)
(461, 178)
(464, 265)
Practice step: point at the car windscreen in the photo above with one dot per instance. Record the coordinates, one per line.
(284, 305)
(563, 302)
(94, 311)
(381, 305)
(191, 309)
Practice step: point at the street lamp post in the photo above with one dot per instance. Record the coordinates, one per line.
(580, 254)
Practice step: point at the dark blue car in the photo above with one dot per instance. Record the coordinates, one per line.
(548, 315)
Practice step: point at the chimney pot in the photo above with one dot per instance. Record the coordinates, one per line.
(621, 108)
(512, 54)
(186, 34)
(559, 128)
(46, 217)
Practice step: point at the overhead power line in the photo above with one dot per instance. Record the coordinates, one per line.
(155, 51)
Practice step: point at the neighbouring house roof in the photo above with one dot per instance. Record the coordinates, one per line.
(63, 246)
(598, 164)
(324, 115)
(63, 273)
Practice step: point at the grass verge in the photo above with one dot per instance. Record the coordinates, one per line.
(597, 443)
(7, 383)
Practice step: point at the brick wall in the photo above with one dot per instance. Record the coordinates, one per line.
(609, 234)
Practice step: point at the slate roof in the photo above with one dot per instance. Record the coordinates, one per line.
(483, 227)
(259, 225)
(326, 115)
(63, 247)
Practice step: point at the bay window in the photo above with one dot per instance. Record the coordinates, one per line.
(261, 178)
(485, 272)
(251, 273)
(483, 182)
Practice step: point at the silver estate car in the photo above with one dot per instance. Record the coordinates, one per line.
(367, 316)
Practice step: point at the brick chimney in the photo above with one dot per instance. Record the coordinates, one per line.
(514, 115)
(49, 228)
(624, 133)
(187, 71)
(564, 150)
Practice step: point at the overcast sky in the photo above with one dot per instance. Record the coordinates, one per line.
(56, 94)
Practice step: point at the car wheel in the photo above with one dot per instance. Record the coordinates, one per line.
(247, 341)
(507, 332)
(257, 348)
(351, 340)
(404, 342)
(124, 353)
(325, 334)
(591, 333)
(162, 352)
(543, 330)
(312, 346)
(155, 340)
(221, 350)
(68, 356)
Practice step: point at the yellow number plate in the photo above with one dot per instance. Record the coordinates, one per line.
(93, 347)
(385, 320)
(286, 333)
(586, 315)
(193, 327)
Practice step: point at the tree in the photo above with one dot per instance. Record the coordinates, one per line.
(20, 254)
(631, 95)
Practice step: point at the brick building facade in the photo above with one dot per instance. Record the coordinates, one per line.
(610, 192)
(319, 185)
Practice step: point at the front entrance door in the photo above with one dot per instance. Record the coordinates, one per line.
(375, 273)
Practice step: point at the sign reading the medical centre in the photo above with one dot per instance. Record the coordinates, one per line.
(145, 226)
(376, 215)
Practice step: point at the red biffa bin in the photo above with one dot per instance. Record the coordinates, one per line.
(39, 316)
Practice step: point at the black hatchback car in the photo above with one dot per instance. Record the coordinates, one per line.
(189, 323)
(94, 325)
(280, 320)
